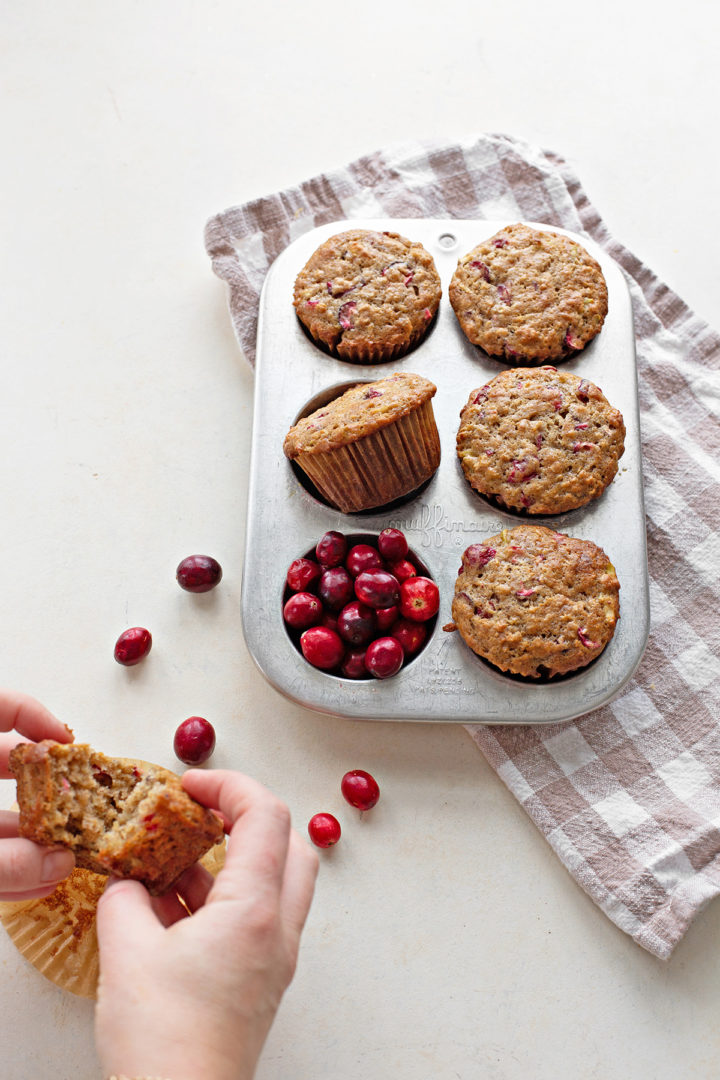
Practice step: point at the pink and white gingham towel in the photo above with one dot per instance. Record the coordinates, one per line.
(628, 796)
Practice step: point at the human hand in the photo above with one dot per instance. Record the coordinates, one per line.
(189, 997)
(27, 870)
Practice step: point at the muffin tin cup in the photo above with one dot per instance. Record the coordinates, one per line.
(447, 682)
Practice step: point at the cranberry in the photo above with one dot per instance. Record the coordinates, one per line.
(331, 549)
(336, 588)
(360, 789)
(302, 575)
(356, 623)
(363, 557)
(194, 740)
(322, 647)
(392, 545)
(329, 620)
(133, 645)
(198, 573)
(353, 666)
(411, 635)
(402, 570)
(302, 610)
(324, 830)
(386, 616)
(419, 599)
(384, 657)
(377, 588)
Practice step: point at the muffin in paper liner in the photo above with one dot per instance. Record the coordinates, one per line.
(57, 934)
(375, 443)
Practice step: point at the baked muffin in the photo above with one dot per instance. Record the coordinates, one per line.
(540, 440)
(529, 295)
(118, 817)
(373, 444)
(536, 602)
(368, 296)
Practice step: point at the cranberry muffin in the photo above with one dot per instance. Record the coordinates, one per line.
(535, 602)
(368, 296)
(540, 440)
(527, 295)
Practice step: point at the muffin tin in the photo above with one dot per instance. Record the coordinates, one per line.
(447, 682)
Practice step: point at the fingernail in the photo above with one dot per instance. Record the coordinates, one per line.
(56, 865)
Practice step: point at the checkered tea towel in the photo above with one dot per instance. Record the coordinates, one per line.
(628, 796)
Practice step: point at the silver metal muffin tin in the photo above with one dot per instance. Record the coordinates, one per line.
(446, 682)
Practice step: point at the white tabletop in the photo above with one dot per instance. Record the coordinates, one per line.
(446, 940)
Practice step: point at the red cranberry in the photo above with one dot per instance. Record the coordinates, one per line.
(377, 588)
(384, 657)
(363, 557)
(392, 545)
(360, 789)
(336, 588)
(353, 666)
(402, 570)
(133, 645)
(331, 549)
(411, 635)
(322, 647)
(194, 740)
(324, 830)
(303, 575)
(329, 620)
(356, 623)
(386, 616)
(419, 599)
(198, 573)
(302, 610)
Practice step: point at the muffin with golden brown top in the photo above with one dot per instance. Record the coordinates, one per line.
(535, 602)
(540, 440)
(368, 296)
(528, 295)
(371, 445)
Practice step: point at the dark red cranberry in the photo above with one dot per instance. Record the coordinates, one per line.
(360, 789)
(329, 620)
(377, 588)
(419, 599)
(392, 545)
(133, 645)
(331, 549)
(356, 623)
(384, 657)
(303, 575)
(402, 570)
(198, 573)
(362, 557)
(411, 635)
(386, 616)
(194, 740)
(353, 666)
(302, 610)
(336, 588)
(324, 830)
(322, 648)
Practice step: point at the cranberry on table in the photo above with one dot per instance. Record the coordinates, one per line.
(133, 645)
(392, 544)
(324, 830)
(331, 549)
(384, 657)
(360, 789)
(353, 666)
(194, 740)
(198, 573)
(336, 588)
(419, 599)
(303, 574)
(386, 616)
(411, 635)
(302, 610)
(356, 623)
(322, 647)
(377, 588)
(363, 557)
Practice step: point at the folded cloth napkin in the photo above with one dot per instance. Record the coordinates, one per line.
(628, 796)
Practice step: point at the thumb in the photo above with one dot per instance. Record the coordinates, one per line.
(126, 921)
